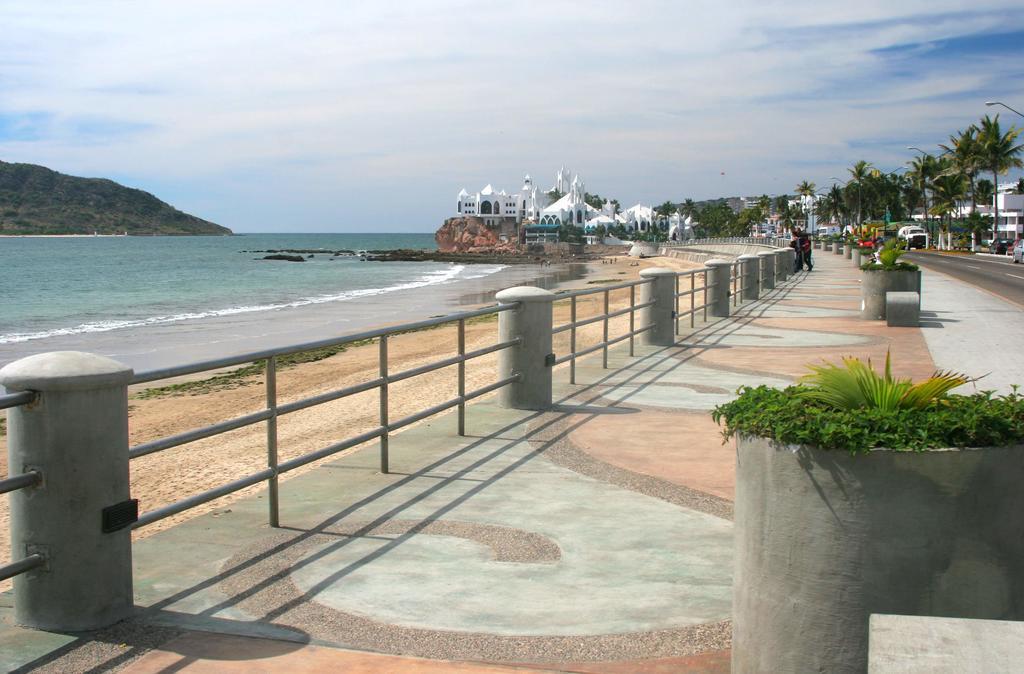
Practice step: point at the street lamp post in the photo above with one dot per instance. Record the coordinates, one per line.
(924, 194)
(991, 103)
(995, 195)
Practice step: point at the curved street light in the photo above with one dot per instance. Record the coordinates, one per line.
(991, 103)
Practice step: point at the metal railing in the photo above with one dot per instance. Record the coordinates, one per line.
(604, 317)
(692, 294)
(273, 410)
(26, 480)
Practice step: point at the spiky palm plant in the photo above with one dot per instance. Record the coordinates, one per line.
(857, 385)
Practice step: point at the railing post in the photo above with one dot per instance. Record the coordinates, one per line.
(273, 503)
(719, 296)
(572, 339)
(751, 266)
(382, 368)
(661, 316)
(604, 331)
(531, 359)
(461, 345)
(767, 258)
(76, 435)
(783, 265)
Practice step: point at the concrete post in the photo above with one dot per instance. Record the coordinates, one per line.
(783, 265)
(718, 295)
(662, 315)
(531, 323)
(76, 436)
(767, 258)
(750, 266)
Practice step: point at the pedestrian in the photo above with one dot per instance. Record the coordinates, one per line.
(805, 250)
(798, 258)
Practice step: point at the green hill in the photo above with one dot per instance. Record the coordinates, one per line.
(36, 200)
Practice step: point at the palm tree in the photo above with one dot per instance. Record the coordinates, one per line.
(965, 152)
(666, 209)
(764, 202)
(998, 154)
(858, 174)
(838, 204)
(922, 170)
(985, 190)
(688, 208)
(949, 189)
(806, 190)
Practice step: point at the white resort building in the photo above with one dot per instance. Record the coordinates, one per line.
(494, 208)
(537, 219)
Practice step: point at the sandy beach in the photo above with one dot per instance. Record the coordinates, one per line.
(168, 476)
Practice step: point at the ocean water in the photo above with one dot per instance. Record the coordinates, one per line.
(157, 301)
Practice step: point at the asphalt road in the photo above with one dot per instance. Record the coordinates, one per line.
(999, 276)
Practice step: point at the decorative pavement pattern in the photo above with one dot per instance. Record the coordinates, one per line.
(592, 538)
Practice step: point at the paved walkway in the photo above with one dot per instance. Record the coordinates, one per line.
(592, 538)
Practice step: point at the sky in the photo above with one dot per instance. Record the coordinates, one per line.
(371, 116)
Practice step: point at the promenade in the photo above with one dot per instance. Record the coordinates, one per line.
(595, 537)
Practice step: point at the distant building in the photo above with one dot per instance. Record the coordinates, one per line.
(496, 208)
(538, 221)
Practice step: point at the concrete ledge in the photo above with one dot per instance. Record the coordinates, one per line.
(903, 309)
(900, 644)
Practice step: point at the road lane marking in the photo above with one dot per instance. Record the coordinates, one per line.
(971, 266)
(1016, 276)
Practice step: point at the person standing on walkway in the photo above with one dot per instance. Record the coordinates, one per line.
(798, 259)
(804, 242)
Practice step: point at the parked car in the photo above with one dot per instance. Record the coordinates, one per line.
(1000, 246)
(1018, 251)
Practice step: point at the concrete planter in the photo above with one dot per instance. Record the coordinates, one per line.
(848, 251)
(855, 256)
(824, 539)
(876, 283)
(837, 248)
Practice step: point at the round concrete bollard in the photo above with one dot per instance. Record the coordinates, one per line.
(530, 359)
(76, 436)
(750, 266)
(661, 316)
(718, 296)
(767, 258)
(783, 264)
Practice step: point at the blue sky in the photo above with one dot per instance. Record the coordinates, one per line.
(359, 116)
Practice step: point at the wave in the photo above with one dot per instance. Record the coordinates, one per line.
(438, 277)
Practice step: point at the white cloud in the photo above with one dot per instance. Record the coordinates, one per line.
(320, 109)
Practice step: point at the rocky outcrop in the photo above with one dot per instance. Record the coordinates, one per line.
(286, 258)
(471, 235)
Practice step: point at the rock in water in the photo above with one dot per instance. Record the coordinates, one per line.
(286, 258)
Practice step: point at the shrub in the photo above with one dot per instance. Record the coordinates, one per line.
(857, 409)
(788, 416)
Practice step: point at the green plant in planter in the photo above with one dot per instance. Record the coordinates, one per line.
(859, 386)
(888, 258)
(856, 409)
